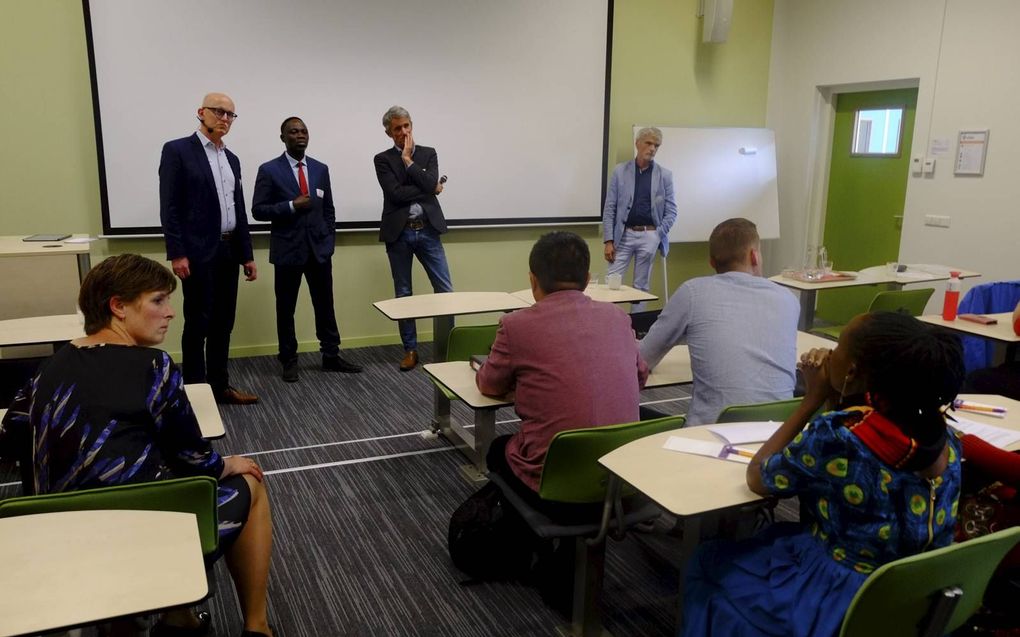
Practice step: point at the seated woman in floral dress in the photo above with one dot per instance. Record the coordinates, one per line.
(881, 477)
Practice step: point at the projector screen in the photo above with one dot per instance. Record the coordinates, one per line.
(513, 96)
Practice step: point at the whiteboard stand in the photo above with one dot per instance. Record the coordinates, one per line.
(665, 283)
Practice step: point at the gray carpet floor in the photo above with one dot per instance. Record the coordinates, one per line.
(361, 502)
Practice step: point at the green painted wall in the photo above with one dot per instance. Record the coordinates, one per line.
(662, 74)
(865, 195)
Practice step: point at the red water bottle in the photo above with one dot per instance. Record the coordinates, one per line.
(952, 299)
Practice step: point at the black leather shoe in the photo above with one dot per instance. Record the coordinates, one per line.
(339, 364)
(290, 372)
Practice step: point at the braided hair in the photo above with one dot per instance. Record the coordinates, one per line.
(913, 370)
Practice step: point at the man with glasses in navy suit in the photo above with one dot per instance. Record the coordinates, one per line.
(205, 226)
(293, 192)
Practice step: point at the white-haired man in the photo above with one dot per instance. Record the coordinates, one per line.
(639, 211)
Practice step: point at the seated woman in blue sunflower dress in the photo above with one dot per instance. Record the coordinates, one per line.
(110, 409)
(881, 478)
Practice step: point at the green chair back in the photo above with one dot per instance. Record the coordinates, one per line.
(898, 597)
(910, 301)
(188, 495)
(571, 472)
(779, 411)
(468, 340)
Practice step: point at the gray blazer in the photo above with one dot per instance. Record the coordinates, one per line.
(620, 197)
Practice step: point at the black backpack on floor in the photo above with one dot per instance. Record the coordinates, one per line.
(488, 540)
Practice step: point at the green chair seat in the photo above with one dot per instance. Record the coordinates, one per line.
(909, 301)
(929, 594)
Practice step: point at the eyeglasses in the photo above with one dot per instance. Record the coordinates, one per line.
(221, 114)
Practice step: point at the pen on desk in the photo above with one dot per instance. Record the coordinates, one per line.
(740, 452)
(988, 409)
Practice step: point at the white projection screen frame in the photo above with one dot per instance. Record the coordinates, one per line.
(513, 96)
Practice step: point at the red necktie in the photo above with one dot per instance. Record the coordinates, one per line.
(302, 182)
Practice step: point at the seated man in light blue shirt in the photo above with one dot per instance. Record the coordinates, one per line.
(740, 327)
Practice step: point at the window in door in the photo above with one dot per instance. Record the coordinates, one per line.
(877, 132)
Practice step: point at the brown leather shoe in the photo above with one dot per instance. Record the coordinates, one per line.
(409, 362)
(235, 396)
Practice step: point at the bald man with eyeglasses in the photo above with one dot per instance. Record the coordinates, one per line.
(201, 207)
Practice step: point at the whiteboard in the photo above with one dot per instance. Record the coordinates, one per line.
(714, 181)
(493, 86)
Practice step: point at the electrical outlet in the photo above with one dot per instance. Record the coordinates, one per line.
(937, 221)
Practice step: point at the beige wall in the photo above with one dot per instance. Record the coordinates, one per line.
(959, 55)
(661, 74)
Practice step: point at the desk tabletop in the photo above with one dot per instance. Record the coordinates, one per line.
(878, 275)
(1001, 331)
(420, 306)
(600, 292)
(1011, 420)
(673, 369)
(132, 561)
(41, 329)
(686, 484)
(15, 247)
(681, 483)
(206, 412)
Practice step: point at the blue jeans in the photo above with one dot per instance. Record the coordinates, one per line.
(425, 245)
(639, 246)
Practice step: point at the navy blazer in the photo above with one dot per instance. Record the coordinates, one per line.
(189, 207)
(402, 187)
(295, 235)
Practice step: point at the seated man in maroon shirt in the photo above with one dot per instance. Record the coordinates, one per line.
(571, 361)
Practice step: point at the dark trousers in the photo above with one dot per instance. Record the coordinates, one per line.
(210, 299)
(320, 287)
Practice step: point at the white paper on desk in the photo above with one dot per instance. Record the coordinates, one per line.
(80, 240)
(998, 436)
(702, 448)
(742, 433)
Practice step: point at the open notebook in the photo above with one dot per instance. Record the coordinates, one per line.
(730, 435)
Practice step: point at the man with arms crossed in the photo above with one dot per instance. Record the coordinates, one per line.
(294, 193)
(412, 219)
(205, 226)
(572, 362)
(740, 327)
(639, 211)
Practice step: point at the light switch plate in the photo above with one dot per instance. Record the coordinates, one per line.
(937, 221)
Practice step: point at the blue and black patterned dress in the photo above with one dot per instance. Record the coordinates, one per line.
(798, 580)
(104, 415)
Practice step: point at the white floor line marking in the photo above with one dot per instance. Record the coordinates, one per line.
(331, 444)
(326, 465)
(407, 435)
(666, 400)
(373, 458)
